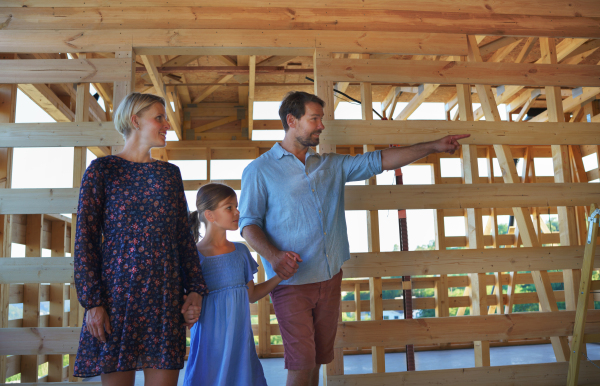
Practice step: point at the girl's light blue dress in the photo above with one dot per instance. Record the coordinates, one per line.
(222, 348)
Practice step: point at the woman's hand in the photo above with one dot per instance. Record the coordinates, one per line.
(191, 309)
(97, 321)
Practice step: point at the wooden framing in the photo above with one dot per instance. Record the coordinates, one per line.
(532, 57)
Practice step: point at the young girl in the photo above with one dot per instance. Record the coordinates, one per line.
(222, 348)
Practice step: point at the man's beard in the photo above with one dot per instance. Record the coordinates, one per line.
(308, 142)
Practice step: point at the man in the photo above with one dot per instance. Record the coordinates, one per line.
(292, 211)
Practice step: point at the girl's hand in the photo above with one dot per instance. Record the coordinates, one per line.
(191, 309)
(97, 321)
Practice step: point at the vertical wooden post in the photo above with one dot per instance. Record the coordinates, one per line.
(264, 319)
(479, 304)
(243, 91)
(58, 241)
(442, 302)
(8, 105)
(375, 283)
(122, 89)
(324, 90)
(251, 84)
(76, 312)
(31, 294)
(474, 223)
(581, 314)
(562, 173)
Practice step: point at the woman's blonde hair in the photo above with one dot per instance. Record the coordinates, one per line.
(207, 198)
(133, 104)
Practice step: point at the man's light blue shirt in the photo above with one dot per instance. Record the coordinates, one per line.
(301, 207)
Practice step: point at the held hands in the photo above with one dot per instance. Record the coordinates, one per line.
(285, 264)
(97, 321)
(191, 308)
(448, 144)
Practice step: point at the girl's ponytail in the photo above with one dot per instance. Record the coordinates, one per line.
(195, 225)
(207, 198)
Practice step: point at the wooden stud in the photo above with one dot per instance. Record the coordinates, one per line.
(31, 294)
(324, 90)
(159, 86)
(57, 302)
(251, 94)
(577, 346)
(264, 319)
(8, 105)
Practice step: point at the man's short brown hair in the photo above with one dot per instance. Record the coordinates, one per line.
(294, 103)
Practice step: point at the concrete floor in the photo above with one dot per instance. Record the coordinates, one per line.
(425, 360)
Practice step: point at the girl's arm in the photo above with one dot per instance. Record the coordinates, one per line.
(259, 291)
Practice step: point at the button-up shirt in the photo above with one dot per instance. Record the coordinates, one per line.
(300, 207)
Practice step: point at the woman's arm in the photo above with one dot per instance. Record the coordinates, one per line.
(259, 291)
(191, 271)
(88, 238)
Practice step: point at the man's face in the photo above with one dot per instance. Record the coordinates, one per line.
(307, 129)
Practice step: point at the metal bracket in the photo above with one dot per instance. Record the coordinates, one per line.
(592, 219)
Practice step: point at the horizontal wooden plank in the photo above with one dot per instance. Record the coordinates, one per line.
(36, 201)
(36, 270)
(469, 196)
(445, 196)
(264, 124)
(60, 134)
(539, 374)
(227, 41)
(465, 328)
(37, 341)
(64, 70)
(378, 264)
(434, 20)
(532, 7)
(354, 132)
(451, 72)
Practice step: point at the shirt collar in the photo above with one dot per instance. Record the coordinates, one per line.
(280, 151)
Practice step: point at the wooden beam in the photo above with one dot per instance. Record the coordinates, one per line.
(27, 71)
(450, 262)
(214, 124)
(563, 49)
(416, 101)
(44, 97)
(445, 196)
(468, 6)
(159, 86)
(60, 134)
(37, 270)
(251, 17)
(442, 72)
(578, 344)
(251, 94)
(443, 330)
(354, 132)
(541, 374)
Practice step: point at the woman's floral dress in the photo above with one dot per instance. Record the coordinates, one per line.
(135, 255)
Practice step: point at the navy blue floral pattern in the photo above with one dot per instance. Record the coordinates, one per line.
(135, 256)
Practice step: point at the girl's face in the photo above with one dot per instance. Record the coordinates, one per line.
(153, 126)
(226, 215)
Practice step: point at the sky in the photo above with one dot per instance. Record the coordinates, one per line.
(57, 167)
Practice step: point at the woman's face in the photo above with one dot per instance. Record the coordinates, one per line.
(153, 126)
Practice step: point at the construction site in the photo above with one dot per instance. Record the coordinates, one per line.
(522, 78)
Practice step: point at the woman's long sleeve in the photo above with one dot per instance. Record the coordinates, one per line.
(88, 238)
(191, 270)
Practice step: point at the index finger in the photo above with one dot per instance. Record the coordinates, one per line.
(460, 136)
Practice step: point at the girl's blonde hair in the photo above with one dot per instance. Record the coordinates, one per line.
(207, 198)
(133, 104)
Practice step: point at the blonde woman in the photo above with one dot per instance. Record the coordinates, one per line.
(135, 256)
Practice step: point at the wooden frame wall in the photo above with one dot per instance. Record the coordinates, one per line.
(347, 46)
